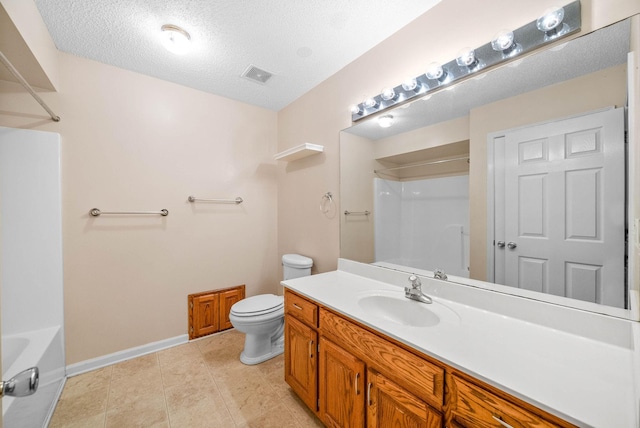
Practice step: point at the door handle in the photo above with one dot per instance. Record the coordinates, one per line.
(500, 244)
(23, 384)
(512, 245)
(356, 383)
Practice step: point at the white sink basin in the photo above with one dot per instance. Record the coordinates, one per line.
(394, 307)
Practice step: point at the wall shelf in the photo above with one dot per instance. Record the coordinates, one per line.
(299, 152)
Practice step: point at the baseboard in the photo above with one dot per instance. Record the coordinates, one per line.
(54, 403)
(127, 354)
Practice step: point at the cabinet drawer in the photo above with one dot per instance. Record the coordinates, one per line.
(420, 377)
(473, 406)
(301, 308)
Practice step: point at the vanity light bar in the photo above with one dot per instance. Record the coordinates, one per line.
(525, 39)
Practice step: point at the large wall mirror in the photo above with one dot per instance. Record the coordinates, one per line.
(514, 180)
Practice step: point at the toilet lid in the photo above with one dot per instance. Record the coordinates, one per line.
(258, 305)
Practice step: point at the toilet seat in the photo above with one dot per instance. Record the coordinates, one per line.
(255, 306)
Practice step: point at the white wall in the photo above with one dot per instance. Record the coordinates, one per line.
(423, 223)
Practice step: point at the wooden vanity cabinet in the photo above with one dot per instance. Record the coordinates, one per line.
(301, 348)
(472, 405)
(390, 405)
(342, 386)
(356, 377)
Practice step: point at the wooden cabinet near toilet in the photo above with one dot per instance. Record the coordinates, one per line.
(209, 310)
(353, 376)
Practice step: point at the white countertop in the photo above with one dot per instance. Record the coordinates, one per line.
(579, 366)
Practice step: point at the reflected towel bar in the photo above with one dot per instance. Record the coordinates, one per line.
(236, 201)
(96, 212)
(23, 82)
(356, 212)
(466, 158)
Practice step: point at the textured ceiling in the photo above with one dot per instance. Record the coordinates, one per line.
(302, 42)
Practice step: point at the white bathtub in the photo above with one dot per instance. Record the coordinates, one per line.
(44, 349)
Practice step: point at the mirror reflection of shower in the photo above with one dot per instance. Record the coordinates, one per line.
(423, 223)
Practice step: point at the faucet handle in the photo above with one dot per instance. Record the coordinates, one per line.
(415, 281)
(439, 274)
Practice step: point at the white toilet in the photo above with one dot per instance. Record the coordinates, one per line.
(261, 317)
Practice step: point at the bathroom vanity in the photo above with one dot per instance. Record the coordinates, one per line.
(359, 354)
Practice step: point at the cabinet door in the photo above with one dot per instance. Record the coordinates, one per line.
(205, 314)
(342, 386)
(300, 369)
(389, 405)
(227, 299)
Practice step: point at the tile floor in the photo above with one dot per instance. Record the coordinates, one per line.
(198, 384)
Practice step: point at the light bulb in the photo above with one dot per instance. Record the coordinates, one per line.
(503, 41)
(176, 40)
(466, 58)
(435, 71)
(388, 94)
(370, 103)
(355, 109)
(385, 121)
(410, 84)
(550, 19)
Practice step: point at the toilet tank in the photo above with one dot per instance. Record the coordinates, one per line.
(296, 266)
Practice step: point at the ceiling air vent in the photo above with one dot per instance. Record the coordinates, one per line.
(257, 75)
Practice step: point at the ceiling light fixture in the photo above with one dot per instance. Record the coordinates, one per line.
(385, 121)
(176, 40)
(508, 44)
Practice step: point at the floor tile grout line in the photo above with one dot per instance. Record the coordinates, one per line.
(164, 392)
(213, 379)
(106, 405)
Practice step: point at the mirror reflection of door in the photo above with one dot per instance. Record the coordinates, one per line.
(559, 191)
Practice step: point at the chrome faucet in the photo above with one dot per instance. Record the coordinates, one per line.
(415, 291)
(439, 274)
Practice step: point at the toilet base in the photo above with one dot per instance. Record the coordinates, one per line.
(250, 361)
(259, 348)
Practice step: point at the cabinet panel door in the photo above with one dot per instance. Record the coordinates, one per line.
(300, 360)
(342, 384)
(389, 405)
(205, 314)
(227, 299)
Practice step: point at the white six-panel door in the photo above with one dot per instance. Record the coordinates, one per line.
(559, 207)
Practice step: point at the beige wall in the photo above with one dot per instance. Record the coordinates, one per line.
(319, 115)
(131, 142)
(356, 192)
